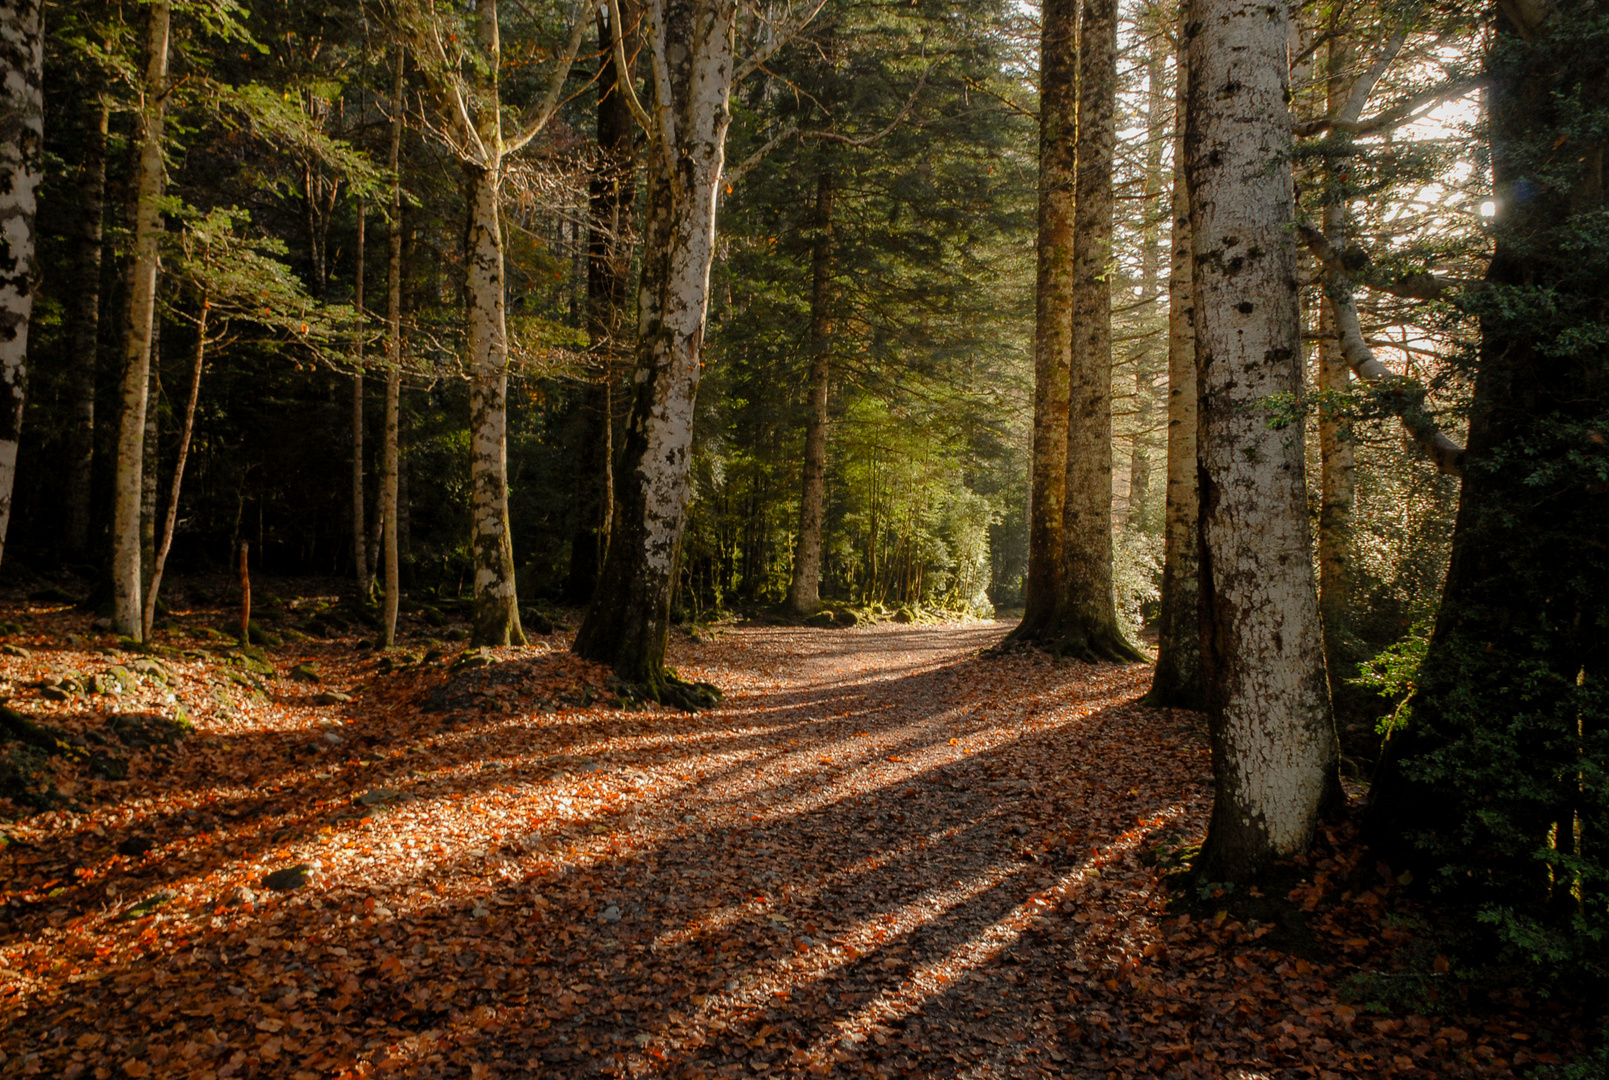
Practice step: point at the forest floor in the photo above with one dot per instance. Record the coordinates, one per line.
(884, 854)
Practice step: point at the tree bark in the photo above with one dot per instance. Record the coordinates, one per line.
(497, 613)
(804, 594)
(22, 131)
(1177, 681)
(360, 517)
(389, 455)
(613, 193)
(691, 42)
(129, 474)
(86, 314)
(1053, 318)
(1086, 618)
(1273, 738)
(152, 451)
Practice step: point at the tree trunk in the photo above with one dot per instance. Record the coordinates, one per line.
(85, 305)
(1058, 125)
(360, 517)
(609, 249)
(804, 594)
(1177, 681)
(1086, 619)
(152, 447)
(629, 621)
(126, 580)
(1337, 465)
(172, 518)
(1501, 763)
(1273, 739)
(389, 456)
(497, 613)
(21, 167)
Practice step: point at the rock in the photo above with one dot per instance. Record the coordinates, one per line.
(474, 658)
(847, 618)
(135, 846)
(152, 669)
(114, 680)
(261, 636)
(332, 697)
(288, 879)
(54, 693)
(333, 739)
(150, 904)
(15, 650)
(307, 672)
(611, 914)
(149, 729)
(378, 796)
(252, 660)
(821, 620)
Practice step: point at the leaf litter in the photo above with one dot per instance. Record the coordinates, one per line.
(882, 855)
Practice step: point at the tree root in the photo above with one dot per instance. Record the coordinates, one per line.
(668, 688)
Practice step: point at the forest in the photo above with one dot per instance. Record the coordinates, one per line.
(979, 538)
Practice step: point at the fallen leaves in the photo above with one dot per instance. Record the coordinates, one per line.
(902, 861)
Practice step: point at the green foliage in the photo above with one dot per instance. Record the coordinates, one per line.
(1391, 673)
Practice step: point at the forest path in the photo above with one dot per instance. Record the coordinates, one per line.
(883, 855)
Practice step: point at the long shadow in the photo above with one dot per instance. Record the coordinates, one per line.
(842, 903)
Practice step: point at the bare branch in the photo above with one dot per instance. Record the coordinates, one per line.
(539, 119)
(782, 36)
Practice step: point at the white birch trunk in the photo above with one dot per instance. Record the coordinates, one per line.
(691, 43)
(1273, 739)
(22, 114)
(129, 474)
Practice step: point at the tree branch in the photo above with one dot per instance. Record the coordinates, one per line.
(550, 103)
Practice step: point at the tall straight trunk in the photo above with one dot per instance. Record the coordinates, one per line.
(1086, 619)
(1053, 318)
(85, 304)
(21, 167)
(1177, 681)
(804, 594)
(152, 446)
(1338, 463)
(497, 613)
(613, 192)
(629, 620)
(129, 467)
(171, 520)
(360, 517)
(1158, 124)
(389, 456)
(1273, 739)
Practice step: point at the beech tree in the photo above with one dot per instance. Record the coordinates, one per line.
(463, 64)
(691, 45)
(1273, 738)
(127, 616)
(22, 48)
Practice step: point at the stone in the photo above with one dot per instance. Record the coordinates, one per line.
(333, 739)
(307, 672)
(332, 697)
(15, 650)
(236, 897)
(847, 618)
(287, 879)
(611, 914)
(822, 620)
